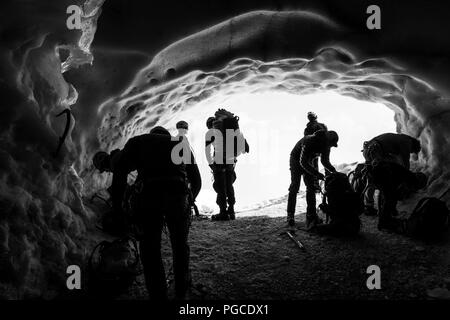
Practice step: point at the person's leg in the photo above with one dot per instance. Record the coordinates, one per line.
(389, 177)
(388, 210)
(220, 187)
(316, 166)
(150, 248)
(293, 190)
(369, 199)
(230, 177)
(177, 218)
(311, 213)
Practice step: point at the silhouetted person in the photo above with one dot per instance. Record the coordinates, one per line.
(105, 162)
(183, 127)
(163, 199)
(390, 154)
(301, 159)
(222, 164)
(312, 127)
(160, 130)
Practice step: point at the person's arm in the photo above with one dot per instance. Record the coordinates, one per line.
(305, 161)
(120, 174)
(194, 178)
(247, 147)
(209, 148)
(325, 160)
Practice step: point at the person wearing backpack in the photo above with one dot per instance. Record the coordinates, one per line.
(302, 155)
(388, 156)
(221, 154)
(163, 199)
(183, 127)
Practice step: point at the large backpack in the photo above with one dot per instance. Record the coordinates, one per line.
(429, 219)
(341, 204)
(114, 265)
(225, 120)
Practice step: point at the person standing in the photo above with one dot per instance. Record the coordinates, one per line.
(163, 199)
(222, 150)
(194, 186)
(301, 164)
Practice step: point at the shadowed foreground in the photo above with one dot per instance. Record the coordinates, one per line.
(250, 258)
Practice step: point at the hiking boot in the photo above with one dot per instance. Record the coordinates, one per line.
(291, 221)
(223, 216)
(231, 213)
(370, 211)
(313, 221)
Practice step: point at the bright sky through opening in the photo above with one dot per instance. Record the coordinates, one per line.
(273, 122)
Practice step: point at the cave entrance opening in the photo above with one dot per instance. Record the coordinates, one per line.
(272, 122)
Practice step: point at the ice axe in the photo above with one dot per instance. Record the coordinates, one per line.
(297, 242)
(62, 138)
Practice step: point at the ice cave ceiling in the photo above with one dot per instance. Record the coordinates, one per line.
(135, 64)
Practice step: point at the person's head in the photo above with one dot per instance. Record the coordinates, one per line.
(416, 147)
(102, 161)
(312, 116)
(209, 122)
(182, 125)
(160, 130)
(332, 138)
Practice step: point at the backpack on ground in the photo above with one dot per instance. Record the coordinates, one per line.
(429, 219)
(341, 205)
(114, 265)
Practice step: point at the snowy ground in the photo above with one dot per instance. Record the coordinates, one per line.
(251, 258)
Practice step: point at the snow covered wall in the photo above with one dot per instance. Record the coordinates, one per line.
(46, 68)
(43, 221)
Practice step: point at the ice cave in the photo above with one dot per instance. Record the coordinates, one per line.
(245, 58)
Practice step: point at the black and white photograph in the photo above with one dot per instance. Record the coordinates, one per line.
(225, 157)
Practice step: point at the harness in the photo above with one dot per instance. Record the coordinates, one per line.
(373, 151)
